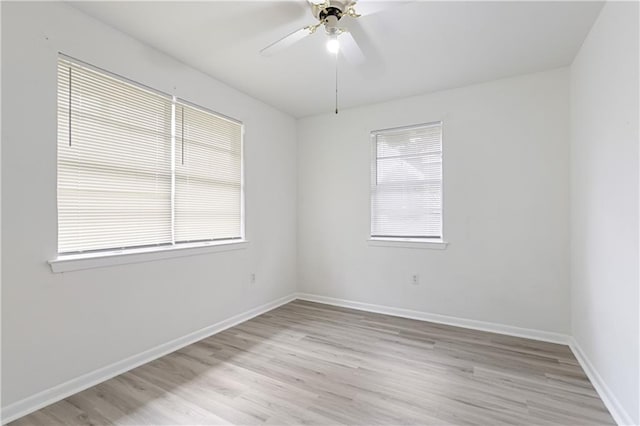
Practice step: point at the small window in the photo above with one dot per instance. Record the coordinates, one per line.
(139, 168)
(406, 183)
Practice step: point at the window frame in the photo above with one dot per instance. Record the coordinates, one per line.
(419, 242)
(71, 261)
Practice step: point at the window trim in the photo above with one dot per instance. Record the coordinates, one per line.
(411, 243)
(438, 243)
(75, 262)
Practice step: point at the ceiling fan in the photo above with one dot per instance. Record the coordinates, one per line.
(329, 13)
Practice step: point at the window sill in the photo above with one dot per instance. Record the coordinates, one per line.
(413, 243)
(75, 262)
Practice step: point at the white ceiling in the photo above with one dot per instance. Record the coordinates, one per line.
(411, 47)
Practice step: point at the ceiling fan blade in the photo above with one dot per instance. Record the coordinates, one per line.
(286, 41)
(350, 48)
(374, 62)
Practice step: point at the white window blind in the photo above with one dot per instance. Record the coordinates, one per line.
(406, 182)
(114, 162)
(138, 168)
(208, 201)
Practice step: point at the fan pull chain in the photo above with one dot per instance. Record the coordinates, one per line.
(336, 83)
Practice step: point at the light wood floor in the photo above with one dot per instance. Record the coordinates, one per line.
(306, 363)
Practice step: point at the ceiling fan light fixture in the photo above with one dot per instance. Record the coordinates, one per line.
(333, 45)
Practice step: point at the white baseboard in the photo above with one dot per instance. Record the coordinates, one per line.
(63, 390)
(545, 336)
(616, 409)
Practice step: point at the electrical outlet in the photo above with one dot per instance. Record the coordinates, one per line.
(415, 279)
(252, 278)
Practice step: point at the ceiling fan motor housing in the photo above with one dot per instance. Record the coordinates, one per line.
(330, 11)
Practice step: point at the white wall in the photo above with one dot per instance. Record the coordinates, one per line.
(604, 202)
(58, 326)
(505, 205)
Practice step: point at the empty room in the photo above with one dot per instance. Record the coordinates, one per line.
(330, 212)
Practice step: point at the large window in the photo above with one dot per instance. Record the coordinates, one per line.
(138, 168)
(406, 183)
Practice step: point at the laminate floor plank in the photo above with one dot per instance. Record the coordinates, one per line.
(314, 364)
